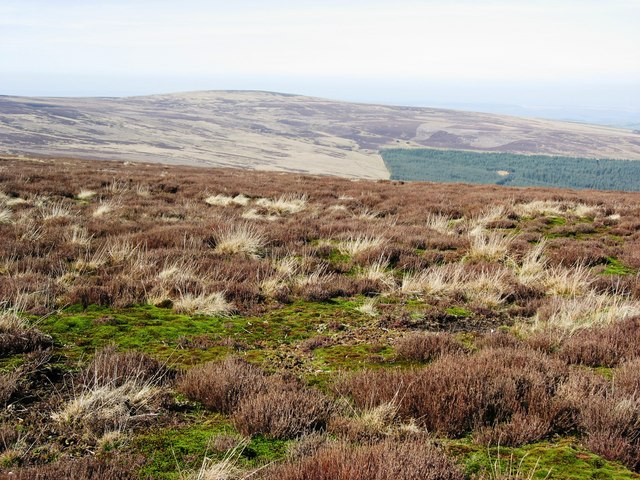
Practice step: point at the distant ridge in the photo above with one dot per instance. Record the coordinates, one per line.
(277, 131)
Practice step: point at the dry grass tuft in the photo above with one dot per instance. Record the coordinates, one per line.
(58, 209)
(213, 304)
(358, 244)
(240, 239)
(593, 310)
(105, 207)
(6, 216)
(284, 205)
(491, 247)
(440, 223)
(85, 194)
(368, 307)
(568, 282)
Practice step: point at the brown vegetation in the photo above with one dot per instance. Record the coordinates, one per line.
(467, 313)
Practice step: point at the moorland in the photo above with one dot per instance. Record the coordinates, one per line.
(172, 322)
(275, 131)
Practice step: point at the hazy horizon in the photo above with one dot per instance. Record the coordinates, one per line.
(572, 60)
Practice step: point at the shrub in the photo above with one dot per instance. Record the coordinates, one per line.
(88, 468)
(219, 386)
(425, 347)
(382, 461)
(603, 347)
(458, 394)
(282, 411)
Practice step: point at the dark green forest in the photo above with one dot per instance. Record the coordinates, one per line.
(426, 164)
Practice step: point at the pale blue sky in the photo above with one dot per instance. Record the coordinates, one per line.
(580, 52)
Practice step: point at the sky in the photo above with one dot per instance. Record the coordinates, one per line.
(582, 54)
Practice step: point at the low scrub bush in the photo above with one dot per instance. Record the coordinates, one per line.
(219, 386)
(389, 460)
(88, 468)
(425, 347)
(603, 347)
(282, 411)
(458, 394)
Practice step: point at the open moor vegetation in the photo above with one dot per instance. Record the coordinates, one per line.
(181, 323)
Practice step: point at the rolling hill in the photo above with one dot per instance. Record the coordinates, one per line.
(273, 131)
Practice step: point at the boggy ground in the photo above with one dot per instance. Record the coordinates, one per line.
(173, 322)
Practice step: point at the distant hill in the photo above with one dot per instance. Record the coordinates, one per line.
(273, 131)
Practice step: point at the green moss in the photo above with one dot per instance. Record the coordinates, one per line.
(351, 357)
(615, 267)
(458, 312)
(562, 460)
(171, 451)
(556, 221)
(167, 335)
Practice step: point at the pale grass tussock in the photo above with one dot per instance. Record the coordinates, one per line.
(121, 250)
(112, 404)
(368, 307)
(487, 288)
(6, 216)
(270, 286)
(378, 271)
(117, 186)
(79, 236)
(489, 246)
(240, 239)
(359, 244)
(558, 208)
(85, 194)
(225, 469)
(439, 223)
(143, 190)
(56, 210)
(31, 231)
(104, 207)
(318, 277)
(367, 214)
(592, 310)
(532, 267)
(377, 420)
(497, 212)
(213, 304)
(539, 207)
(10, 319)
(285, 204)
(573, 281)
(219, 200)
(177, 271)
(253, 214)
(92, 261)
(16, 201)
(437, 280)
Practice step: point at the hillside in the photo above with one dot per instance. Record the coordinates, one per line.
(171, 322)
(271, 131)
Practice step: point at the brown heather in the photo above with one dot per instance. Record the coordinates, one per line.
(474, 331)
(412, 460)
